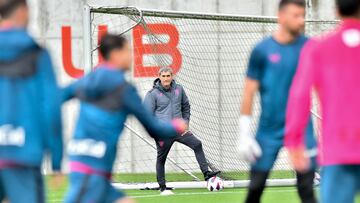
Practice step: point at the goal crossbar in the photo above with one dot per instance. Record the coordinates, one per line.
(192, 15)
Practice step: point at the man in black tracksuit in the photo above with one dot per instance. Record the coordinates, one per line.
(167, 100)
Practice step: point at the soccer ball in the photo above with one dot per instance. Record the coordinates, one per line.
(215, 184)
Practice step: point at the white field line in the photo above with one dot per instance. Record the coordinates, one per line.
(210, 193)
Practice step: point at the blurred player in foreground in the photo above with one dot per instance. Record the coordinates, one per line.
(272, 65)
(331, 66)
(167, 100)
(30, 119)
(106, 101)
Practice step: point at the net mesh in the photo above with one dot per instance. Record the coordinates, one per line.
(209, 54)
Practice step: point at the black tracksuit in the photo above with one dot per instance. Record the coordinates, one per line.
(167, 104)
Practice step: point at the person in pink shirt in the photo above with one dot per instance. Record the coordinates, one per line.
(330, 65)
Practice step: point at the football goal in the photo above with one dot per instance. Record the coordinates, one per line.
(209, 55)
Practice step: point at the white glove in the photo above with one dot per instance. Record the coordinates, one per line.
(247, 147)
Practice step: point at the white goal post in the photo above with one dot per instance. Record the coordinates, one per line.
(209, 54)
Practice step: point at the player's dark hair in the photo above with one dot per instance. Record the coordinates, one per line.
(7, 7)
(110, 42)
(348, 7)
(284, 3)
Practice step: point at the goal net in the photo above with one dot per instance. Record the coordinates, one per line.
(209, 55)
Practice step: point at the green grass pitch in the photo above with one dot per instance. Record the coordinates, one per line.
(271, 195)
(228, 195)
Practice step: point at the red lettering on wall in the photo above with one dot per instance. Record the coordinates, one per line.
(69, 67)
(141, 49)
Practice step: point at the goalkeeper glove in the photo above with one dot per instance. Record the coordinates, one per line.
(247, 147)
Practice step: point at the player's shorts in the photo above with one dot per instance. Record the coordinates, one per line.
(91, 188)
(339, 183)
(21, 184)
(270, 150)
(271, 142)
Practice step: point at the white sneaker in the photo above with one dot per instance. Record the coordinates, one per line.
(166, 193)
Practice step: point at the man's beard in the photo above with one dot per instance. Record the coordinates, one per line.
(296, 32)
